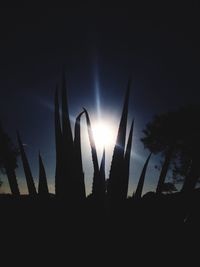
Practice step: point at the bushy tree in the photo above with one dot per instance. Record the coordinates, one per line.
(176, 135)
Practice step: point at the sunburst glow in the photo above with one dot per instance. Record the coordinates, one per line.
(104, 134)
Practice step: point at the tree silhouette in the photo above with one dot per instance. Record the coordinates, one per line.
(161, 135)
(8, 160)
(190, 148)
(176, 135)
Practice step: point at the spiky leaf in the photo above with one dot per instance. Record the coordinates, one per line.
(116, 170)
(58, 143)
(42, 186)
(79, 174)
(139, 189)
(127, 163)
(66, 126)
(27, 170)
(92, 143)
(99, 184)
(68, 184)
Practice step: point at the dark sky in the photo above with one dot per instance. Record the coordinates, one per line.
(157, 46)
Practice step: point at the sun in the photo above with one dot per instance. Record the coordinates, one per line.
(104, 134)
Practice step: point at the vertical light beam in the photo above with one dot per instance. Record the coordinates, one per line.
(97, 89)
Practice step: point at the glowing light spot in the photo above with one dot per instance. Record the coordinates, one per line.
(104, 134)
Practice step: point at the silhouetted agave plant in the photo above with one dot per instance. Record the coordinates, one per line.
(138, 192)
(116, 182)
(27, 170)
(42, 186)
(69, 171)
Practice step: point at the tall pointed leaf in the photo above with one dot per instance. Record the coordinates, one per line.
(42, 186)
(102, 174)
(58, 143)
(66, 126)
(116, 171)
(92, 143)
(79, 174)
(99, 185)
(121, 137)
(12, 179)
(138, 192)
(164, 169)
(102, 167)
(127, 163)
(68, 184)
(27, 170)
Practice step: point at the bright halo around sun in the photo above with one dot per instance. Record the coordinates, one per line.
(104, 134)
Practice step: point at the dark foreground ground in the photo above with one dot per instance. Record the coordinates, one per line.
(52, 230)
